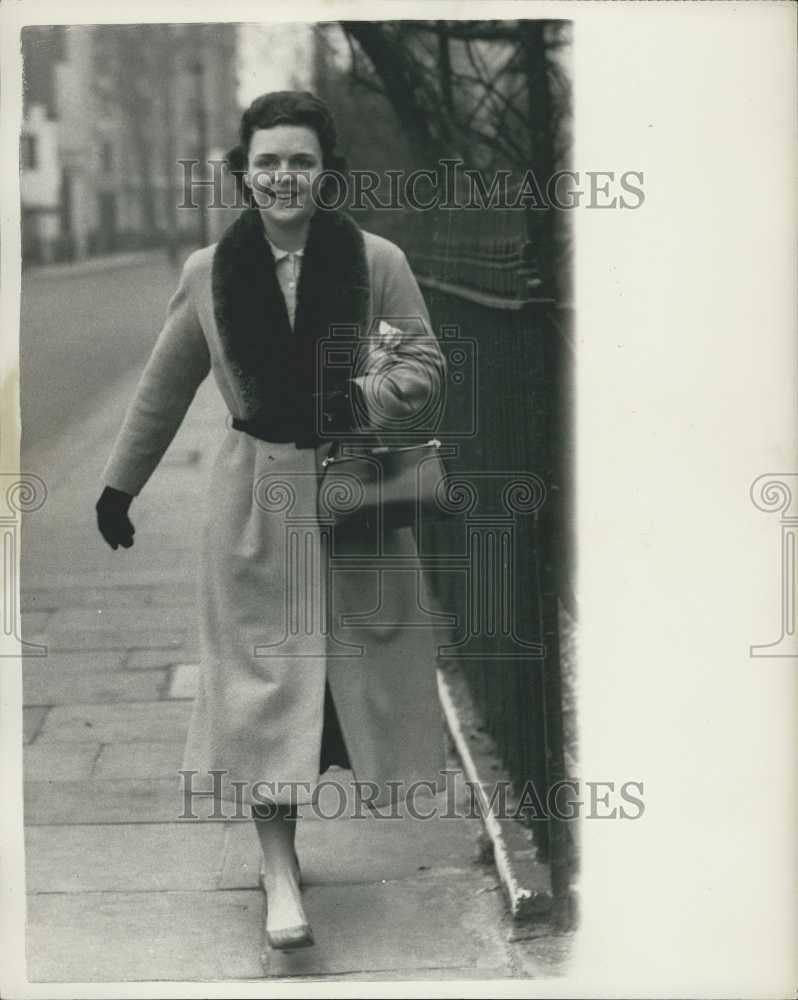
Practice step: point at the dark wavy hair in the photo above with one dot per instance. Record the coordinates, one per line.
(286, 107)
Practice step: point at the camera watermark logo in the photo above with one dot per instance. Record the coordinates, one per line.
(332, 524)
(777, 492)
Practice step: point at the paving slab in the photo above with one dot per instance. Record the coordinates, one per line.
(184, 596)
(363, 930)
(84, 661)
(541, 954)
(145, 721)
(407, 924)
(139, 760)
(32, 722)
(54, 761)
(127, 799)
(45, 684)
(115, 800)
(34, 622)
(110, 936)
(76, 640)
(150, 659)
(56, 599)
(124, 858)
(116, 576)
(144, 596)
(101, 619)
(184, 680)
(362, 850)
(40, 599)
(190, 648)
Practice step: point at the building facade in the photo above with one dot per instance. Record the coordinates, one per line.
(109, 112)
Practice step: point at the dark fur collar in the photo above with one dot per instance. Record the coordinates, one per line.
(275, 366)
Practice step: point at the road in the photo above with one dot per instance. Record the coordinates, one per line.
(81, 331)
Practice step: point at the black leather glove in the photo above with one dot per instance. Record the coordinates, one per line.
(112, 519)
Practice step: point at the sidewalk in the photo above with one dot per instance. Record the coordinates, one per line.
(101, 262)
(119, 888)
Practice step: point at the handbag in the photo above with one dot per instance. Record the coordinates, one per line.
(391, 486)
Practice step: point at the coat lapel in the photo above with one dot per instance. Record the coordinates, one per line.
(274, 365)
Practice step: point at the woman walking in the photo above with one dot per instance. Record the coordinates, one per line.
(300, 667)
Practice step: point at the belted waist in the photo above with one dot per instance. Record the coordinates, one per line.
(276, 434)
(295, 421)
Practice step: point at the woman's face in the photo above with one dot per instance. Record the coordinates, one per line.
(283, 163)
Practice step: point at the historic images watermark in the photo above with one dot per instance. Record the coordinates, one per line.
(777, 492)
(449, 798)
(449, 186)
(21, 493)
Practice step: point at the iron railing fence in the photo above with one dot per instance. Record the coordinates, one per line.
(509, 420)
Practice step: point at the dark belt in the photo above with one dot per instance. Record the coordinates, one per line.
(275, 436)
(336, 417)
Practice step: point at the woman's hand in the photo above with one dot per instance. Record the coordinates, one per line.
(400, 374)
(112, 519)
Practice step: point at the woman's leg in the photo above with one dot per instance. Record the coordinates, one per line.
(286, 923)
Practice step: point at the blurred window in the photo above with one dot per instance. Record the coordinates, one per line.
(30, 152)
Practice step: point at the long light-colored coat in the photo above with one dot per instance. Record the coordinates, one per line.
(265, 574)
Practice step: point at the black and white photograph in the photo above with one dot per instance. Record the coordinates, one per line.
(325, 640)
(387, 446)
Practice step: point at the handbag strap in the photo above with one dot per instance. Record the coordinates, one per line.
(335, 450)
(331, 455)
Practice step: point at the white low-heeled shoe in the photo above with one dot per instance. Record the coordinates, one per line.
(290, 938)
